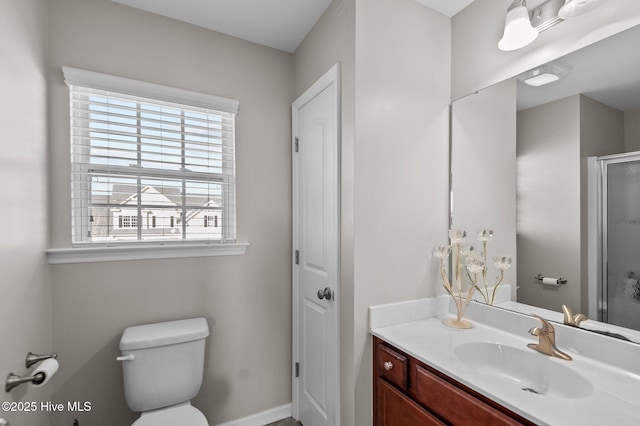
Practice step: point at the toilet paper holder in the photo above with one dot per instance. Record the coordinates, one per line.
(559, 281)
(14, 380)
(35, 358)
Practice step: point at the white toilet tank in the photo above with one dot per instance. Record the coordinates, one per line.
(163, 363)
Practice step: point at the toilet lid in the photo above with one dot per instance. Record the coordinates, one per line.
(176, 415)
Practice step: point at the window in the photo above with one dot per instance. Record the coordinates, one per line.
(149, 163)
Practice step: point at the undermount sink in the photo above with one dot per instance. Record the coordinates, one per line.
(523, 369)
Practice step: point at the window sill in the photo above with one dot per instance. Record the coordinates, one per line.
(113, 254)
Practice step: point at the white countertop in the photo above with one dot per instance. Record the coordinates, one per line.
(615, 399)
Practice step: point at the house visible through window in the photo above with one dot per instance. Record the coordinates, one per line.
(211, 221)
(146, 168)
(127, 221)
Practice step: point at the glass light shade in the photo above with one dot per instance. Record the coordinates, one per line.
(575, 8)
(518, 31)
(542, 79)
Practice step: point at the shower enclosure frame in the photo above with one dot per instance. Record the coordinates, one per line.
(598, 232)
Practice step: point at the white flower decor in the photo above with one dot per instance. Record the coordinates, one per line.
(485, 235)
(474, 265)
(502, 263)
(441, 252)
(457, 236)
(458, 291)
(461, 289)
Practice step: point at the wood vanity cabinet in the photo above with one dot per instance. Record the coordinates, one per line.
(406, 392)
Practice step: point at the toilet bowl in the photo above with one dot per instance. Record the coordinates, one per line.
(163, 366)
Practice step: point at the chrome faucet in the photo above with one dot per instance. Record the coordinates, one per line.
(570, 319)
(546, 340)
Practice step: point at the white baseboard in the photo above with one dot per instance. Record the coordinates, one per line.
(263, 418)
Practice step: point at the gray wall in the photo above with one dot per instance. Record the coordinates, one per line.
(25, 287)
(552, 194)
(332, 40)
(483, 172)
(548, 188)
(246, 299)
(632, 130)
(401, 163)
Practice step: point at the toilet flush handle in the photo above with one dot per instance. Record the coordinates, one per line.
(129, 357)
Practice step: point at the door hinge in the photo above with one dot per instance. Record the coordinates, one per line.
(296, 143)
(297, 369)
(297, 257)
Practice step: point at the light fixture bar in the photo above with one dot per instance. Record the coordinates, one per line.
(546, 16)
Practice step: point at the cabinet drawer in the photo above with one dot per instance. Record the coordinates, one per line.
(392, 365)
(395, 409)
(454, 404)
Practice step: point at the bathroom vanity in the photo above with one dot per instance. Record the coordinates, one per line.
(425, 373)
(407, 391)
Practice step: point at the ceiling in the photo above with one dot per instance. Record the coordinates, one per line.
(281, 24)
(446, 7)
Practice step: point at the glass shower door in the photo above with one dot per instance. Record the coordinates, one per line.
(621, 289)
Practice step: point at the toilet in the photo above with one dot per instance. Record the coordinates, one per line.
(163, 365)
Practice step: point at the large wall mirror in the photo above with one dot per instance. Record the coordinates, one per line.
(520, 165)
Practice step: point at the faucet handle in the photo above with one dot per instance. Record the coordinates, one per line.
(570, 319)
(546, 327)
(535, 331)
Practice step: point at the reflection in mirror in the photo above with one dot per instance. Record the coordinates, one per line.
(535, 193)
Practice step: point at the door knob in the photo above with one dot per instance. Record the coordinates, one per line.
(325, 294)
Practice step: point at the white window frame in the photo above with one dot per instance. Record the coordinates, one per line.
(91, 251)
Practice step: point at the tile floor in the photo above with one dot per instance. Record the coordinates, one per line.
(286, 422)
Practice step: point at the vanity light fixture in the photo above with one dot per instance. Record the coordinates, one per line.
(522, 27)
(544, 74)
(575, 8)
(518, 31)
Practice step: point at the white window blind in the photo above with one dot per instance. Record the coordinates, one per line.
(147, 169)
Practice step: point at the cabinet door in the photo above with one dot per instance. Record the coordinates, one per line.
(454, 404)
(395, 409)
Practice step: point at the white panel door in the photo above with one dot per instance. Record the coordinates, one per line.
(316, 253)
